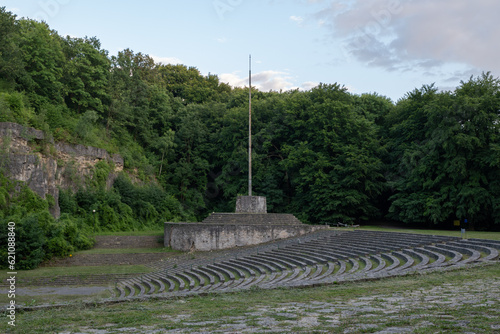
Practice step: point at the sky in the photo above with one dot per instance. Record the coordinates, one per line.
(388, 47)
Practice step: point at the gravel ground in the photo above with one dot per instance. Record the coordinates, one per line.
(65, 290)
(422, 311)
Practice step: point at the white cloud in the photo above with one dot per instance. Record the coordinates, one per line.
(266, 81)
(272, 80)
(221, 40)
(166, 60)
(308, 85)
(407, 35)
(297, 19)
(233, 79)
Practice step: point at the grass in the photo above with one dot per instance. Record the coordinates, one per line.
(468, 234)
(24, 276)
(128, 251)
(82, 270)
(209, 313)
(154, 233)
(46, 294)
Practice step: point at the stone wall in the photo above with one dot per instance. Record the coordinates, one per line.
(66, 167)
(207, 237)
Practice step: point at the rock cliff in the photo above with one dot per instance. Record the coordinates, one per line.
(45, 171)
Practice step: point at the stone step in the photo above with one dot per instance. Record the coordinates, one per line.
(252, 218)
(321, 258)
(128, 242)
(423, 260)
(435, 254)
(492, 253)
(391, 258)
(407, 260)
(489, 243)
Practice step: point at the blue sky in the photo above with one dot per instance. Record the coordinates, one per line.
(385, 46)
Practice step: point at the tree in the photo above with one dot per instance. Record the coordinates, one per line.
(11, 63)
(189, 85)
(165, 143)
(86, 74)
(42, 54)
(448, 159)
(85, 125)
(187, 174)
(332, 157)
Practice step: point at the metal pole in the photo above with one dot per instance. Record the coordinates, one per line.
(250, 127)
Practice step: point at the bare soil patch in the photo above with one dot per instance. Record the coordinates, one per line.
(115, 242)
(107, 259)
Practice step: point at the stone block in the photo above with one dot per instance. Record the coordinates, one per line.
(251, 204)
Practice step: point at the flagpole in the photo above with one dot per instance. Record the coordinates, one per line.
(250, 126)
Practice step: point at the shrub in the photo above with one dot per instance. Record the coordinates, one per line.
(38, 235)
(30, 243)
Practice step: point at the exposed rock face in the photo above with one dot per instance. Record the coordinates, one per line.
(67, 166)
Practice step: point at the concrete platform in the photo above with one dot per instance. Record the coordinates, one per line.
(228, 230)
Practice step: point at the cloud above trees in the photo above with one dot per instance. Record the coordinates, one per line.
(266, 81)
(425, 34)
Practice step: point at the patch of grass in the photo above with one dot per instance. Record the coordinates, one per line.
(155, 233)
(468, 234)
(48, 299)
(128, 251)
(81, 271)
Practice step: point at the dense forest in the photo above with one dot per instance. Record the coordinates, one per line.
(325, 155)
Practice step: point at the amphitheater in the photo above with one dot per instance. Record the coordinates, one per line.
(319, 258)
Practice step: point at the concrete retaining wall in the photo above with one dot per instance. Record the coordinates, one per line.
(206, 237)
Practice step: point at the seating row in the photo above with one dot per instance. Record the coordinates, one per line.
(321, 258)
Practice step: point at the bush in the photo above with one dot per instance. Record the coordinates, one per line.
(13, 108)
(30, 243)
(67, 202)
(39, 236)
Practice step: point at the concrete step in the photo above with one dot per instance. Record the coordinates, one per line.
(321, 258)
(252, 218)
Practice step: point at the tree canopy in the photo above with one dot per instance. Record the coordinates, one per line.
(325, 154)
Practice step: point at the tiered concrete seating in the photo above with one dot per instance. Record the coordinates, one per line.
(320, 258)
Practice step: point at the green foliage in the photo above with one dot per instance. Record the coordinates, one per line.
(11, 64)
(85, 125)
(30, 242)
(39, 236)
(445, 153)
(333, 161)
(86, 74)
(101, 173)
(125, 207)
(325, 154)
(42, 54)
(187, 84)
(13, 108)
(150, 204)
